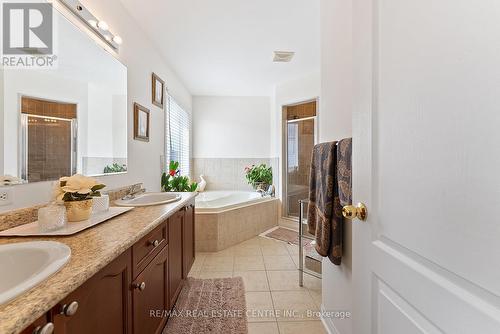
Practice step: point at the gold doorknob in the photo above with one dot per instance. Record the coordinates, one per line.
(359, 211)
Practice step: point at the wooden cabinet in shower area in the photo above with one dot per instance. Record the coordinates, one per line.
(300, 137)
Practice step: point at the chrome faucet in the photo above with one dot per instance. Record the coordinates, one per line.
(262, 192)
(133, 191)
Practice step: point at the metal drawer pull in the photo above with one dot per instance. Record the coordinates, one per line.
(140, 286)
(48, 328)
(154, 243)
(70, 309)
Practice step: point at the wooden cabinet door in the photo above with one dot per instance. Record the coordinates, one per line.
(150, 296)
(175, 243)
(104, 302)
(188, 239)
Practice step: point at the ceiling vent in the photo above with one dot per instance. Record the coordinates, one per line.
(283, 56)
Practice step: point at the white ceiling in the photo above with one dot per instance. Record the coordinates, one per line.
(225, 47)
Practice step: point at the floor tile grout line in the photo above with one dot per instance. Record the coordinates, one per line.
(272, 300)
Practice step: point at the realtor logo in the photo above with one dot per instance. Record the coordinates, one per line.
(28, 35)
(27, 29)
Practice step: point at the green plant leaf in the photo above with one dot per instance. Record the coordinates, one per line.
(176, 183)
(259, 174)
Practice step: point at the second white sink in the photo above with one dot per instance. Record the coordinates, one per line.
(148, 199)
(26, 264)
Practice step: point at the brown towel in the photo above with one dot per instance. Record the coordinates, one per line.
(321, 198)
(330, 190)
(344, 171)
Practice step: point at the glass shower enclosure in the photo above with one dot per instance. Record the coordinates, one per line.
(300, 139)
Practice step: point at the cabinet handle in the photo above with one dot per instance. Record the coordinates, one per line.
(48, 328)
(140, 286)
(70, 309)
(154, 243)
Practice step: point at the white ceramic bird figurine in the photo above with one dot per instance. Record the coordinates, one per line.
(202, 184)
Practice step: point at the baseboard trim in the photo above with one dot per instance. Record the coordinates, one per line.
(328, 323)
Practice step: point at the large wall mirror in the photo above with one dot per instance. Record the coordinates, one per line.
(68, 119)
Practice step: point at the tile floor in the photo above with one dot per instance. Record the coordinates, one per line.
(275, 302)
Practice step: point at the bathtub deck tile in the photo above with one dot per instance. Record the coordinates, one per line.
(218, 231)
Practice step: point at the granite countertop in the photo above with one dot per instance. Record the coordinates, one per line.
(91, 250)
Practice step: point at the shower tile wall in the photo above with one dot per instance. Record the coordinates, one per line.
(229, 173)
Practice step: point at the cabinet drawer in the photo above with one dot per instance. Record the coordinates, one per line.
(148, 247)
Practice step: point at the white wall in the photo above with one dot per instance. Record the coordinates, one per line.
(141, 58)
(335, 122)
(231, 127)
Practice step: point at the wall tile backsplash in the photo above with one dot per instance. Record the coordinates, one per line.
(229, 173)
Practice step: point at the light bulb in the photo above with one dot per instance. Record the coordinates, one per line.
(93, 23)
(118, 40)
(107, 37)
(103, 25)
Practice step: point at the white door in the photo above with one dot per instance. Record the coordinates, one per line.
(426, 163)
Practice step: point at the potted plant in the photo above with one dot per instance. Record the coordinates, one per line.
(173, 181)
(77, 192)
(115, 168)
(260, 177)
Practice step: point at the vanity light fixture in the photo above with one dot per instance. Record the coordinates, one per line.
(99, 27)
(117, 39)
(102, 25)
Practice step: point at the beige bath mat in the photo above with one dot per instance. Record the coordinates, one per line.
(292, 237)
(286, 235)
(210, 306)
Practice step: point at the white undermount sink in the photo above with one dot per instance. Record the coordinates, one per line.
(148, 199)
(27, 264)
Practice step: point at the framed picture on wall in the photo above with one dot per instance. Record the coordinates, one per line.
(141, 122)
(158, 90)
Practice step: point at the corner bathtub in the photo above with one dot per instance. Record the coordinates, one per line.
(226, 218)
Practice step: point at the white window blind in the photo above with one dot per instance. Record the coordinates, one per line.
(178, 135)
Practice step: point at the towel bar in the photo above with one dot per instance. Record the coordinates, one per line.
(302, 236)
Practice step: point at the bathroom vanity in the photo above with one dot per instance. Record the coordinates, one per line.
(68, 119)
(123, 276)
